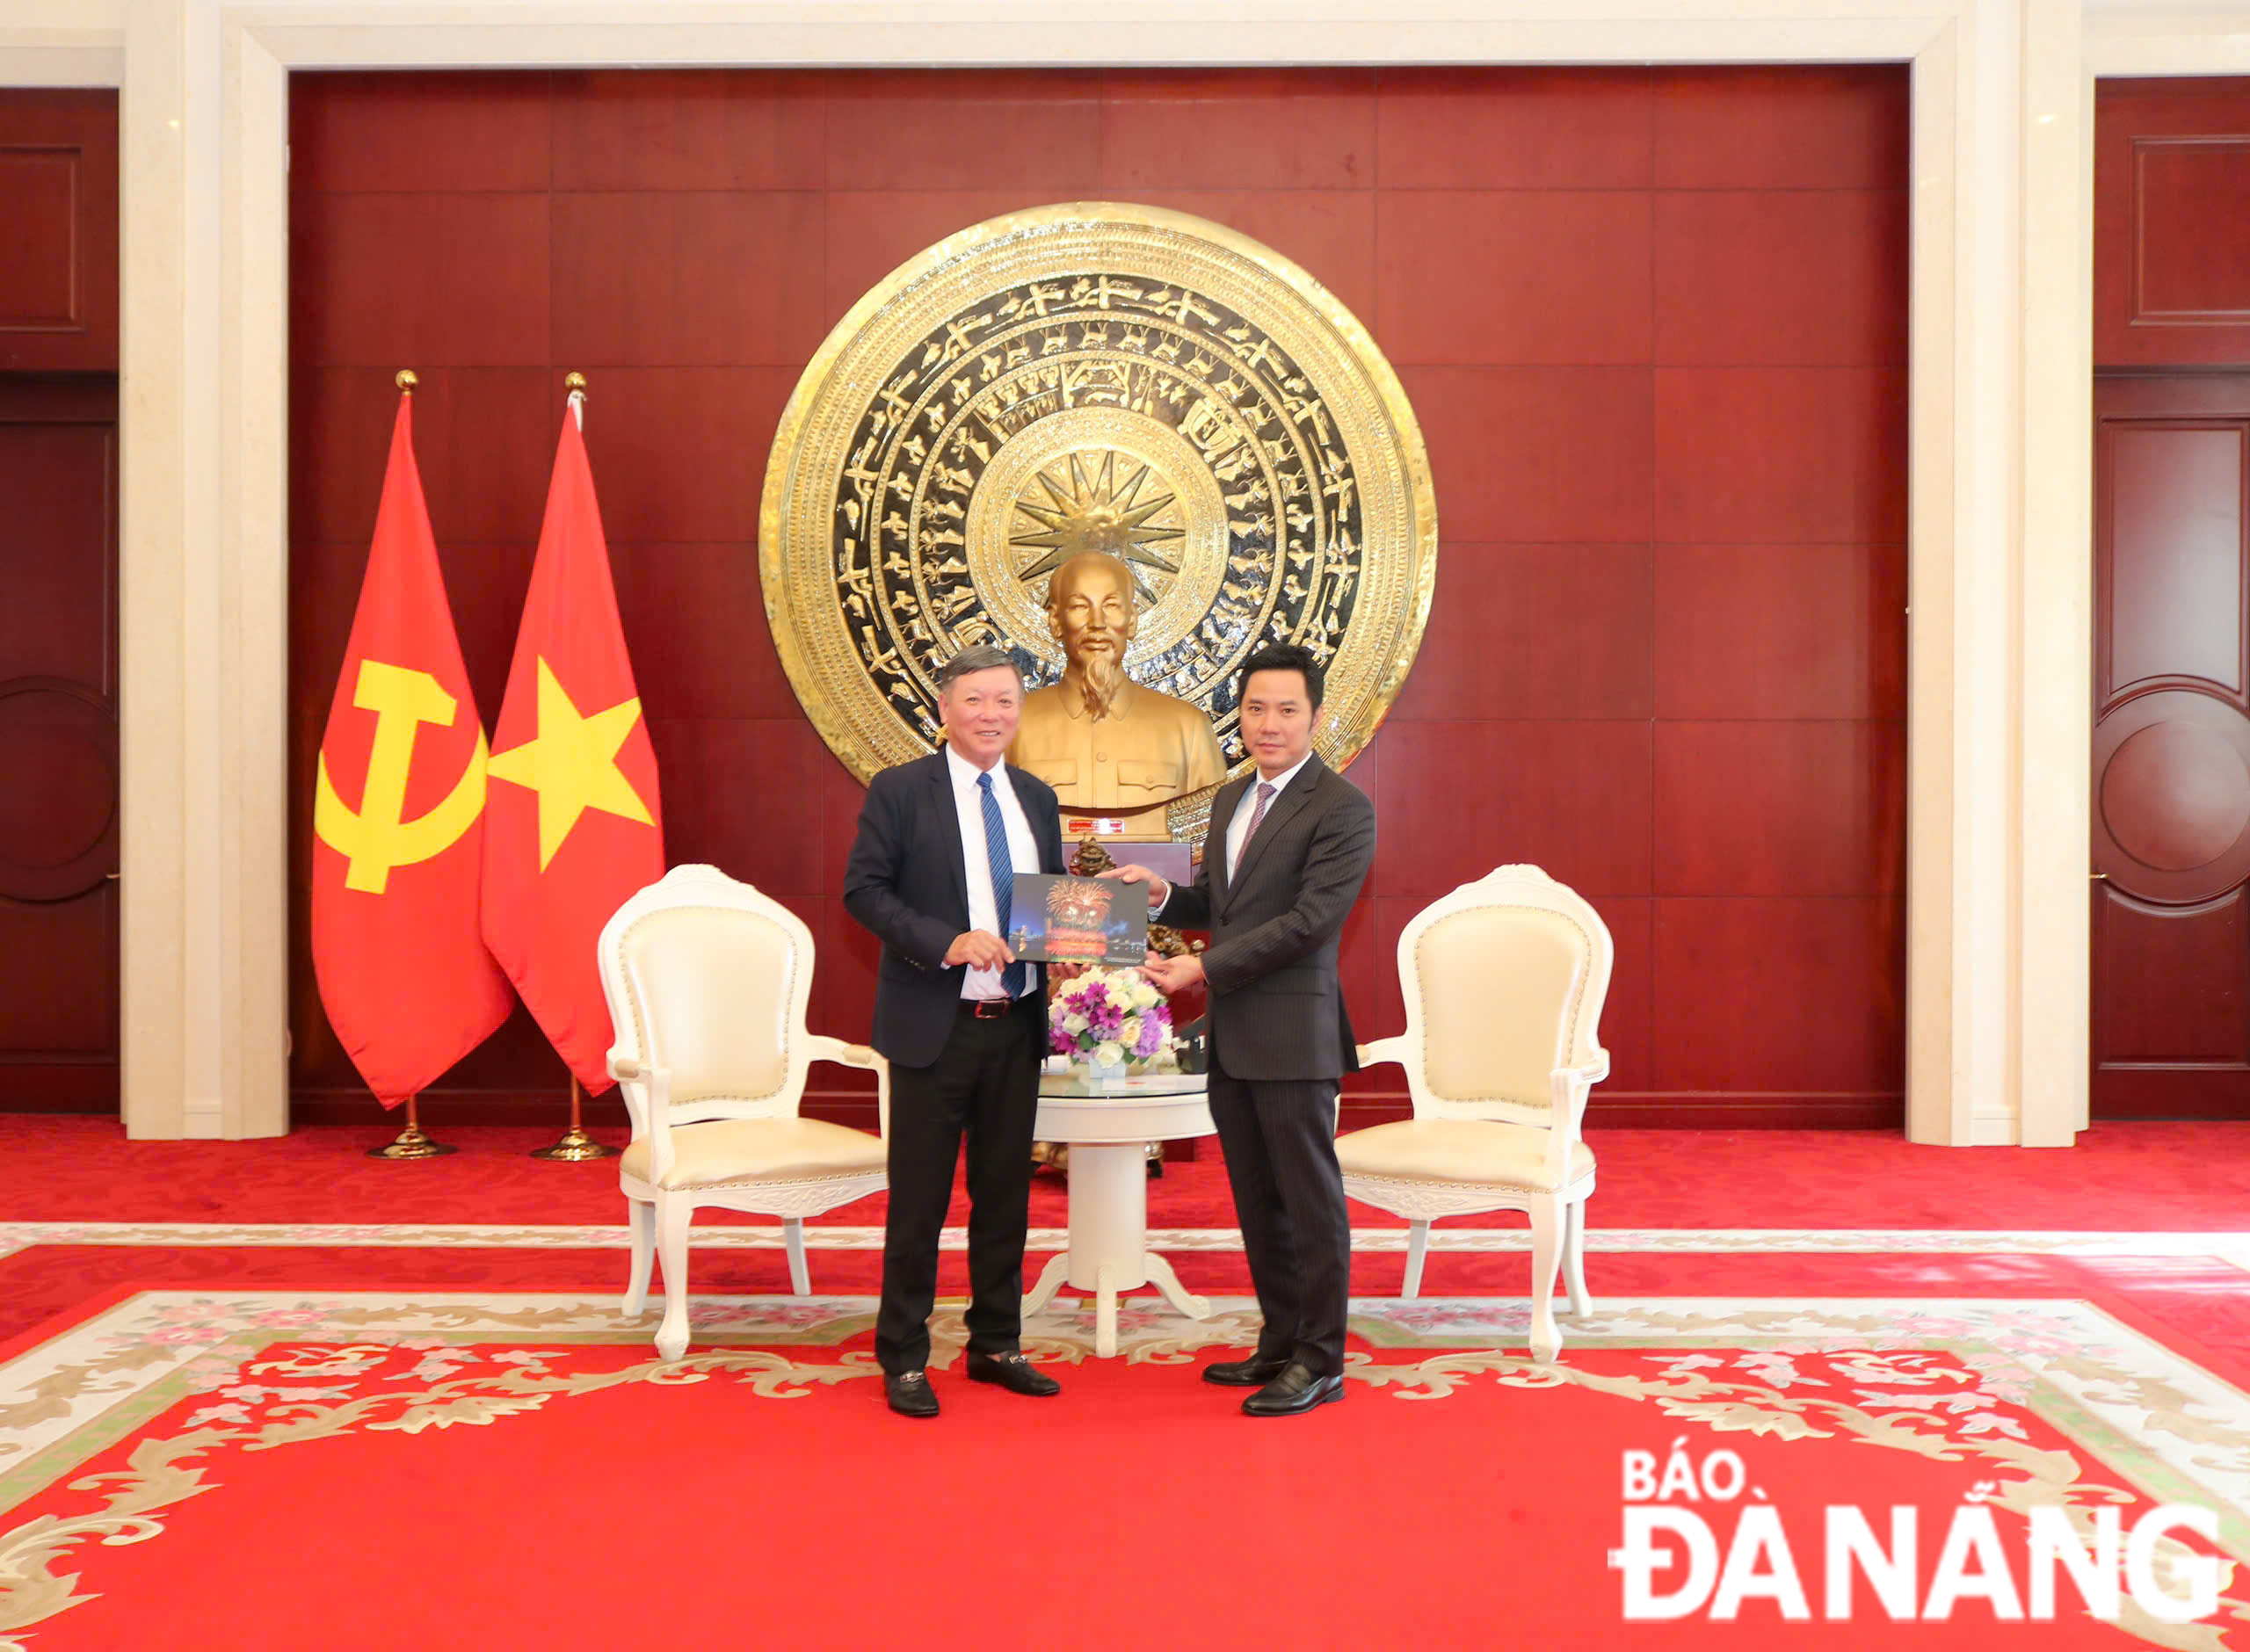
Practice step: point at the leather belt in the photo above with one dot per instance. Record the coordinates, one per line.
(988, 1009)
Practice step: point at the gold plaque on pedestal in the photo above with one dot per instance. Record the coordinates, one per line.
(1095, 377)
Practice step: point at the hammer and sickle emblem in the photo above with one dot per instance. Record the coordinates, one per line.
(377, 837)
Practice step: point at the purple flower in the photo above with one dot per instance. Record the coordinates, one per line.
(1059, 1042)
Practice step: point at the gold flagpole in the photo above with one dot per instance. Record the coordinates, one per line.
(575, 1146)
(411, 1144)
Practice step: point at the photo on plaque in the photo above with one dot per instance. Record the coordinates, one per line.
(1059, 920)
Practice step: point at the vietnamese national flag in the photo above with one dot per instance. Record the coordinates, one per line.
(398, 809)
(571, 829)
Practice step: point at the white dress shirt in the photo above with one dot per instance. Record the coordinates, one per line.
(976, 868)
(1239, 827)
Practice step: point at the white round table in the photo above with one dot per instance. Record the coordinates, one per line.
(1108, 1131)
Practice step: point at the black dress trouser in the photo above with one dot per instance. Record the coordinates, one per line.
(984, 1085)
(1279, 1136)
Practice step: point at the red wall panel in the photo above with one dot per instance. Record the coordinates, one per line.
(2172, 222)
(1653, 325)
(58, 231)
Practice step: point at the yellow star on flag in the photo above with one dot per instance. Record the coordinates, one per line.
(572, 764)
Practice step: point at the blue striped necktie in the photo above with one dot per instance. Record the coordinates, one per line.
(1017, 976)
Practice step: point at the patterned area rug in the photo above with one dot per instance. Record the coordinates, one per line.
(500, 1470)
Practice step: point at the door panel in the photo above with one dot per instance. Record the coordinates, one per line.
(58, 743)
(2171, 818)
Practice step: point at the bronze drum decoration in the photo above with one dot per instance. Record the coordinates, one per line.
(1106, 377)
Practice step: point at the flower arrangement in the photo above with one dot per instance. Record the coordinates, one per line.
(1108, 1019)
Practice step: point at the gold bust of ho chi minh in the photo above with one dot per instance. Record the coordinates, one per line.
(1107, 744)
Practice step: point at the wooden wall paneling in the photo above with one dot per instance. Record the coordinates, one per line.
(1810, 455)
(2170, 562)
(690, 129)
(1537, 453)
(909, 129)
(1537, 631)
(2171, 1022)
(58, 231)
(1484, 128)
(1457, 288)
(2172, 223)
(1627, 549)
(2171, 757)
(669, 278)
(1781, 631)
(1790, 277)
(438, 280)
(1789, 996)
(1788, 807)
(1571, 797)
(58, 743)
(1292, 129)
(1771, 127)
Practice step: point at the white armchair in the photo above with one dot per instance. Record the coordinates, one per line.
(707, 980)
(1504, 981)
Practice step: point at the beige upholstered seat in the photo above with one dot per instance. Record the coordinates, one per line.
(1504, 981)
(707, 980)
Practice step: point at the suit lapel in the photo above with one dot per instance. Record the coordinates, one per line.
(949, 813)
(1294, 797)
(1040, 842)
(1215, 839)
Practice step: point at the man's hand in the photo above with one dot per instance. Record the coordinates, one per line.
(979, 949)
(1064, 972)
(1160, 891)
(1172, 974)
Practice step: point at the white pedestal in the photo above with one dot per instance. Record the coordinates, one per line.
(1108, 1251)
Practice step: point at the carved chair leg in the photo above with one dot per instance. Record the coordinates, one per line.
(1418, 1241)
(792, 1235)
(1547, 1224)
(672, 1218)
(1579, 1304)
(640, 1223)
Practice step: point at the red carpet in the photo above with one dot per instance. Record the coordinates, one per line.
(1458, 1497)
(2182, 1176)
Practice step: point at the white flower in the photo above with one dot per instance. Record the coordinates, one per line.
(1143, 994)
(1109, 1053)
(1128, 1032)
(1074, 1022)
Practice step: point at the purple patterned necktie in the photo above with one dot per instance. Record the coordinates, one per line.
(1257, 819)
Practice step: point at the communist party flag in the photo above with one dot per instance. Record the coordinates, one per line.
(572, 829)
(398, 806)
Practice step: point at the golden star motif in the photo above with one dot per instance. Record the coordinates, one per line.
(572, 764)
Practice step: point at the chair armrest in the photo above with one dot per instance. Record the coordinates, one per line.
(1389, 1049)
(825, 1048)
(647, 1090)
(828, 1049)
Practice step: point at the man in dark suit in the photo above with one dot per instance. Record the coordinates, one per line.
(1282, 867)
(960, 1020)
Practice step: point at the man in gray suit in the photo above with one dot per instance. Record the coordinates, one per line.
(1280, 869)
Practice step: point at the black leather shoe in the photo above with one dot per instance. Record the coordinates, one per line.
(1253, 1373)
(1295, 1390)
(909, 1393)
(1013, 1373)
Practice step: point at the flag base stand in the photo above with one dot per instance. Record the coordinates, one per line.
(576, 1146)
(411, 1144)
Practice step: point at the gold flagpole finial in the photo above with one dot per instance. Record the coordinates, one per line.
(406, 380)
(574, 383)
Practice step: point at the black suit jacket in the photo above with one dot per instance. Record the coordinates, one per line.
(906, 882)
(1277, 1011)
